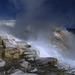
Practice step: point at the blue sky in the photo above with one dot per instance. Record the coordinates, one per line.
(61, 6)
(37, 15)
(7, 10)
(49, 10)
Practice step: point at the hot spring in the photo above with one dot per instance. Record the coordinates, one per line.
(59, 44)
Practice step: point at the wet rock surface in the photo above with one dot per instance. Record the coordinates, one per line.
(18, 58)
(47, 60)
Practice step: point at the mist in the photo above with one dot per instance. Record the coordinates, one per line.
(39, 17)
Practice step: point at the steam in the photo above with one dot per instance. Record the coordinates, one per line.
(39, 17)
(36, 21)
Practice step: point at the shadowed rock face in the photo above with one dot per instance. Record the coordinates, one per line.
(47, 61)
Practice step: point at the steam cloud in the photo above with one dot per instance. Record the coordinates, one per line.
(38, 17)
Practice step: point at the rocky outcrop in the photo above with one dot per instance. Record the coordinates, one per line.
(47, 61)
(13, 49)
(17, 58)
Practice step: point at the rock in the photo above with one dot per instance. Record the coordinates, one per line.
(22, 50)
(31, 54)
(0, 55)
(63, 66)
(72, 71)
(8, 45)
(11, 70)
(3, 37)
(22, 73)
(21, 44)
(30, 59)
(28, 46)
(2, 63)
(47, 60)
(34, 70)
(14, 53)
(45, 65)
(25, 64)
(1, 46)
(0, 42)
(18, 72)
(29, 74)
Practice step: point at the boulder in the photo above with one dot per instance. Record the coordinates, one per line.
(46, 61)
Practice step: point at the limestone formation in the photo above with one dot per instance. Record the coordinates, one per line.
(13, 49)
(19, 58)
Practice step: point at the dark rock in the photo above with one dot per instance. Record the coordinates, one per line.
(22, 73)
(2, 63)
(25, 64)
(45, 61)
(28, 46)
(11, 70)
(0, 42)
(1, 46)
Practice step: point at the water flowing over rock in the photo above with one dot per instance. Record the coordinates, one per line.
(19, 58)
(14, 53)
